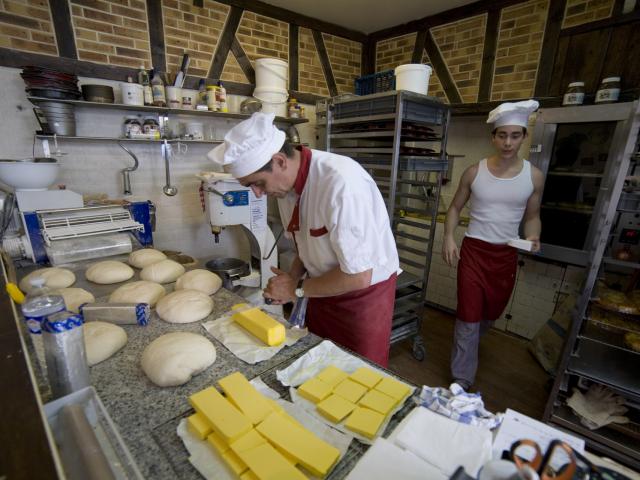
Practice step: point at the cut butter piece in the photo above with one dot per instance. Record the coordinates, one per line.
(365, 376)
(335, 408)
(249, 475)
(234, 462)
(244, 396)
(249, 440)
(350, 390)
(312, 453)
(332, 375)
(378, 401)
(199, 426)
(269, 464)
(365, 422)
(225, 419)
(314, 390)
(395, 389)
(259, 324)
(217, 442)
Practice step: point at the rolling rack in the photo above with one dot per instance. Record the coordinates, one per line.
(400, 138)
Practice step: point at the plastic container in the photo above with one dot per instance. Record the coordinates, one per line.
(278, 108)
(132, 94)
(272, 73)
(413, 77)
(29, 175)
(574, 94)
(174, 97)
(375, 83)
(40, 303)
(212, 100)
(609, 90)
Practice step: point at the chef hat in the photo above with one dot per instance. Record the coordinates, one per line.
(512, 113)
(249, 145)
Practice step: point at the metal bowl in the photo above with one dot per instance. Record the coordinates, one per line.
(228, 269)
(250, 105)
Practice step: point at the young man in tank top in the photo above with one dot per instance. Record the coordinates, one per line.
(505, 191)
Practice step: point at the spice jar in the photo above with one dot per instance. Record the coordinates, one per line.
(609, 90)
(212, 101)
(293, 110)
(151, 127)
(574, 94)
(132, 126)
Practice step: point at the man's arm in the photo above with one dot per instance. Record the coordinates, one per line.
(449, 248)
(531, 219)
(297, 269)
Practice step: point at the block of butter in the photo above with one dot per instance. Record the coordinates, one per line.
(199, 426)
(243, 395)
(269, 464)
(314, 390)
(259, 324)
(365, 422)
(225, 419)
(521, 244)
(335, 408)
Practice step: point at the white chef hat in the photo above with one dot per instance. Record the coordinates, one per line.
(249, 145)
(512, 113)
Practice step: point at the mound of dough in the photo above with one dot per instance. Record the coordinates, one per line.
(74, 297)
(172, 359)
(54, 278)
(145, 257)
(184, 306)
(138, 292)
(202, 280)
(109, 271)
(164, 271)
(102, 340)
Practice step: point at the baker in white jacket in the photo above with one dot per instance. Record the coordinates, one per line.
(335, 214)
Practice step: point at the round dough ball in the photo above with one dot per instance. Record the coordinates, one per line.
(54, 278)
(174, 358)
(74, 297)
(201, 280)
(184, 306)
(164, 271)
(138, 292)
(102, 340)
(145, 257)
(109, 271)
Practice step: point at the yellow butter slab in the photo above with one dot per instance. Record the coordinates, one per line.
(199, 426)
(269, 464)
(247, 441)
(350, 390)
(365, 422)
(249, 401)
(332, 375)
(249, 475)
(335, 408)
(275, 406)
(234, 462)
(290, 458)
(225, 419)
(314, 390)
(365, 376)
(312, 453)
(378, 401)
(259, 324)
(218, 443)
(393, 388)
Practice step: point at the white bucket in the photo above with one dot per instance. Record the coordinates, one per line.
(132, 93)
(279, 108)
(272, 73)
(413, 77)
(271, 95)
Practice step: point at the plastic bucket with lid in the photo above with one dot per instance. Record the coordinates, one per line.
(413, 77)
(272, 73)
(272, 95)
(278, 108)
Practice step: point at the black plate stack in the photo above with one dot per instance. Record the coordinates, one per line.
(47, 83)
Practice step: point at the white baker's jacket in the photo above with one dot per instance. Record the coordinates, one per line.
(341, 198)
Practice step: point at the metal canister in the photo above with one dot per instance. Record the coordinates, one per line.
(67, 368)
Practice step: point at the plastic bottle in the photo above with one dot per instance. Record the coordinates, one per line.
(157, 87)
(40, 303)
(143, 79)
(202, 93)
(221, 94)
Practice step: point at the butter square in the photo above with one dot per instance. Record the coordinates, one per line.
(314, 390)
(350, 390)
(365, 422)
(378, 402)
(332, 375)
(218, 442)
(234, 462)
(249, 440)
(393, 388)
(269, 464)
(249, 475)
(367, 377)
(335, 408)
(199, 426)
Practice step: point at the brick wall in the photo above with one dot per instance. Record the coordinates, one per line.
(578, 12)
(112, 32)
(345, 57)
(193, 30)
(435, 87)
(26, 26)
(262, 36)
(394, 51)
(310, 74)
(232, 71)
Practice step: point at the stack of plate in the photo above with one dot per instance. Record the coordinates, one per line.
(43, 82)
(60, 117)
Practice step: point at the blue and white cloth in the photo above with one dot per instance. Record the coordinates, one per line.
(459, 405)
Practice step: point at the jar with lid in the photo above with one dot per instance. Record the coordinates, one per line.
(574, 94)
(609, 90)
(294, 110)
(132, 126)
(212, 101)
(150, 127)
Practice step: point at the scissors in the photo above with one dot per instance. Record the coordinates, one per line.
(541, 464)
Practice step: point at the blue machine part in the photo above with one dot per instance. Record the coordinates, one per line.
(140, 211)
(236, 198)
(35, 237)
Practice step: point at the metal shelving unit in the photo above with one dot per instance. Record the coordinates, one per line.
(400, 138)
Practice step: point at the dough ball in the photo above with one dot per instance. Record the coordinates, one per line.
(54, 278)
(174, 358)
(102, 340)
(138, 292)
(145, 257)
(74, 297)
(201, 280)
(184, 306)
(109, 271)
(164, 271)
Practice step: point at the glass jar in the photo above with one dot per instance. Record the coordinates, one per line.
(132, 126)
(212, 101)
(294, 110)
(574, 94)
(151, 127)
(609, 90)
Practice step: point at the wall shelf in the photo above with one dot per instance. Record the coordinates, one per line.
(136, 140)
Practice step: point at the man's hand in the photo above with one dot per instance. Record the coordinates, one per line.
(450, 250)
(281, 288)
(536, 243)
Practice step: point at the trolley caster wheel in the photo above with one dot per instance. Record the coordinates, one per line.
(419, 350)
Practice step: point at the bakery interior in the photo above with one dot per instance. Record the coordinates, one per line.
(97, 167)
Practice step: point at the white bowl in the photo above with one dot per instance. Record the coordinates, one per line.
(29, 174)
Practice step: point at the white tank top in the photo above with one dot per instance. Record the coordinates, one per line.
(498, 204)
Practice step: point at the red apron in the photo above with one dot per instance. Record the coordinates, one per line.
(486, 276)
